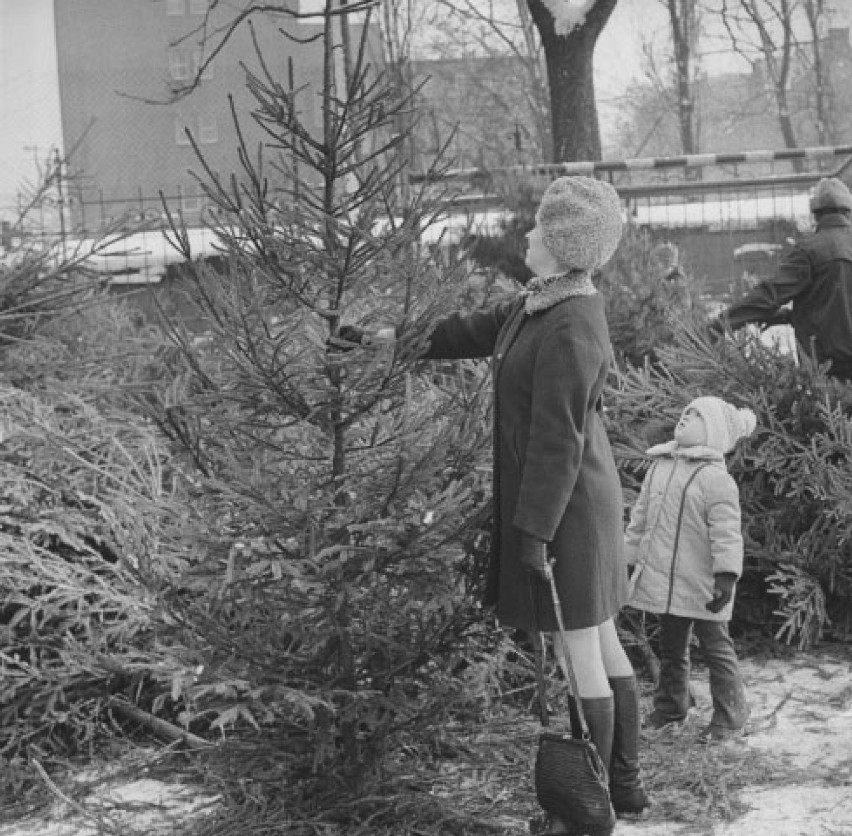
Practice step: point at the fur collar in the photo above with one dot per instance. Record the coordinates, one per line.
(698, 452)
(547, 291)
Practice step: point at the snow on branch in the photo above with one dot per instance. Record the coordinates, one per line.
(568, 14)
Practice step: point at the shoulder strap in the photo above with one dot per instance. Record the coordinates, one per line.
(562, 651)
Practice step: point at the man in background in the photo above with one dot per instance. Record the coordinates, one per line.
(816, 277)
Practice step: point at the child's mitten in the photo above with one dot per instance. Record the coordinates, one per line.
(723, 591)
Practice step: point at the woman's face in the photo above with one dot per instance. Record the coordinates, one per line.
(690, 430)
(538, 257)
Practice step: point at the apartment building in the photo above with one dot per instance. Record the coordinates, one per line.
(122, 67)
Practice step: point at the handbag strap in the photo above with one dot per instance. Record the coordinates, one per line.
(564, 656)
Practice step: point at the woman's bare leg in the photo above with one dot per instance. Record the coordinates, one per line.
(615, 660)
(584, 649)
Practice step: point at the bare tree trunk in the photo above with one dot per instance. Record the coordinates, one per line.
(574, 115)
(329, 146)
(777, 57)
(540, 108)
(781, 72)
(683, 17)
(814, 9)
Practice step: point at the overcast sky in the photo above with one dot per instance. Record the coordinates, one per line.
(29, 113)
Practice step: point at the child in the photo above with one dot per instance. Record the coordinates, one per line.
(685, 542)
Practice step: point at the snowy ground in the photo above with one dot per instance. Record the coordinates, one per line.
(802, 724)
(802, 719)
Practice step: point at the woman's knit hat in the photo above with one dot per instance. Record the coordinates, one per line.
(725, 424)
(580, 220)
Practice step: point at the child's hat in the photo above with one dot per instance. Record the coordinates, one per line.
(580, 220)
(725, 424)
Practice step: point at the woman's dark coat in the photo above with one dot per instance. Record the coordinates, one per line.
(554, 473)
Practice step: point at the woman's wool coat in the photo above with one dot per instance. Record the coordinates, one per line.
(554, 473)
(684, 528)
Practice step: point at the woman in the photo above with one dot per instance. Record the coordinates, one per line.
(556, 487)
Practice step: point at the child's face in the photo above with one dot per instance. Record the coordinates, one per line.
(690, 430)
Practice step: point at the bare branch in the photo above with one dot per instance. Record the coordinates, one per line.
(213, 37)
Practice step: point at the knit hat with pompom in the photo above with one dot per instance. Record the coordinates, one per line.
(725, 424)
(580, 220)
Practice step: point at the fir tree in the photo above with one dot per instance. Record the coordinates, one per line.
(332, 596)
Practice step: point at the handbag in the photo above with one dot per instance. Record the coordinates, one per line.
(571, 781)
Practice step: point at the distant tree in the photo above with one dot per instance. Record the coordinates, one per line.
(765, 30)
(816, 13)
(684, 23)
(670, 95)
(504, 80)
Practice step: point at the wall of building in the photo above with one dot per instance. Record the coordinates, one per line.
(30, 127)
(119, 64)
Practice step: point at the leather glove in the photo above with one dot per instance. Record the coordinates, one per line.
(723, 591)
(349, 337)
(534, 556)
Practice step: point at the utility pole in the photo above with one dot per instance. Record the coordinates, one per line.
(291, 82)
(60, 197)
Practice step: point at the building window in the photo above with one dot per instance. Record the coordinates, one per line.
(190, 203)
(180, 65)
(208, 129)
(197, 58)
(175, 7)
(198, 7)
(204, 128)
(180, 130)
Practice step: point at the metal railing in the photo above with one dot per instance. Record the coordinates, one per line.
(729, 214)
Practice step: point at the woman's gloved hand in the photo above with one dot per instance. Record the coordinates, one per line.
(534, 556)
(723, 591)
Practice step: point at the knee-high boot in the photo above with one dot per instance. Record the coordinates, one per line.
(626, 788)
(599, 713)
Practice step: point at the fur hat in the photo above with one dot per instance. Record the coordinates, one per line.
(580, 220)
(725, 424)
(831, 193)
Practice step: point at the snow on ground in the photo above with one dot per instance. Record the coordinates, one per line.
(143, 806)
(801, 719)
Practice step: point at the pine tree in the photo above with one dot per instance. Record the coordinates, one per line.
(337, 486)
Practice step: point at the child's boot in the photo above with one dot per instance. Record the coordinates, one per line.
(730, 706)
(672, 697)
